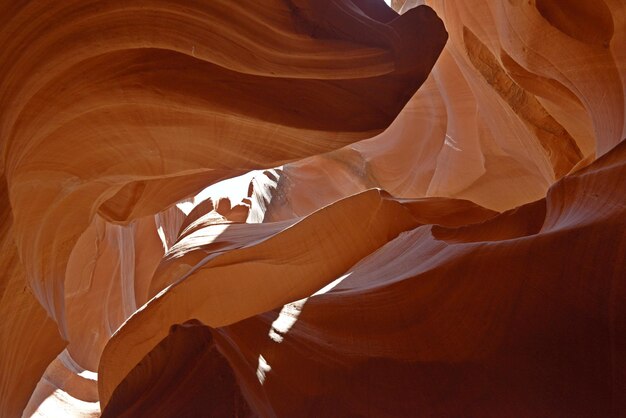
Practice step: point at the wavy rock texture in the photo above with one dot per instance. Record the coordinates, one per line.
(457, 250)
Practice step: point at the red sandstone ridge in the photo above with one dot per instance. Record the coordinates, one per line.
(305, 208)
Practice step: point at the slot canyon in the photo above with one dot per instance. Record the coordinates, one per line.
(312, 208)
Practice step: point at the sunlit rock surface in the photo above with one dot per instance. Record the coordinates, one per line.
(313, 208)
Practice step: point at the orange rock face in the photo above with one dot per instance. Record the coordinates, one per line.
(313, 208)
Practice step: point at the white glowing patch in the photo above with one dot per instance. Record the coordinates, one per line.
(289, 313)
(262, 369)
(235, 189)
(185, 207)
(286, 318)
(451, 143)
(331, 285)
(89, 375)
(161, 234)
(60, 404)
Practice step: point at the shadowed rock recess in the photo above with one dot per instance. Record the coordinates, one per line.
(313, 208)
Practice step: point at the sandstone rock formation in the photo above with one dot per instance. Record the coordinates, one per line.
(290, 208)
